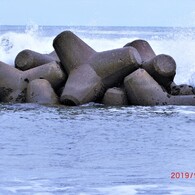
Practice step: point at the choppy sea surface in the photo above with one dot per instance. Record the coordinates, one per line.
(95, 149)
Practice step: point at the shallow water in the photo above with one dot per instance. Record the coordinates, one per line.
(96, 150)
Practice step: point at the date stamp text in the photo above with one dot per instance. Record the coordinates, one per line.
(182, 175)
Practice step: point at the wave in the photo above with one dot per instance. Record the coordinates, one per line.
(11, 43)
(46, 187)
(146, 189)
(176, 42)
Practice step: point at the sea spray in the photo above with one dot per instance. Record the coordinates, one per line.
(11, 43)
(179, 44)
(176, 42)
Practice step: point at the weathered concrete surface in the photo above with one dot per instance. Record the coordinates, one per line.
(144, 49)
(115, 97)
(181, 89)
(50, 71)
(83, 85)
(162, 68)
(40, 91)
(143, 90)
(71, 50)
(12, 85)
(14, 82)
(91, 73)
(113, 65)
(28, 59)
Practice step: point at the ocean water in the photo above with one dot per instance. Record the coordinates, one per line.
(176, 42)
(94, 149)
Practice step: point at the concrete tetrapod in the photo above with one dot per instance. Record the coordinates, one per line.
(11, 87)
(40, 91)
(115, 97)
(28, 59)
(144, 49)
(14, 82)
(90, 72)
(71, 50)
(143, 90)
(52, 72)
(162, 68)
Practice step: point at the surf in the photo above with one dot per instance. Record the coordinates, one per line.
(176, 42)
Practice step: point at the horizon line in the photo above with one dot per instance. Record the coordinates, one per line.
(135, 26)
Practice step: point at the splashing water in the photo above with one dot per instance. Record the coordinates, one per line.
(11, 43)
(176, 42)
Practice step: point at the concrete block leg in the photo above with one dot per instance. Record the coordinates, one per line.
(115, 97)
(143, 90)
(28, 59)
(82, 63)
(40, 91)
(144, 49)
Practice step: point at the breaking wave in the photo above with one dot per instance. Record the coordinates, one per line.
(177, 42)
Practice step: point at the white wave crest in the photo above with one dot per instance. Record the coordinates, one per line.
(178, 44)
(11, 43)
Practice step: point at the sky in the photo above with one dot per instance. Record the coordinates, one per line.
(98, 12)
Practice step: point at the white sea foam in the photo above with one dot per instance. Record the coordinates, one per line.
(182, 50)
(180, 190)
(181, 46)
(125, 189)
(11, 43)
(143, 189)
(50, 189)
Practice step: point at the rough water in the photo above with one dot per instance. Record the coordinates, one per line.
(95, 149)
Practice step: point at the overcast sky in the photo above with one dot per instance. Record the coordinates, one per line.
(98, 12)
